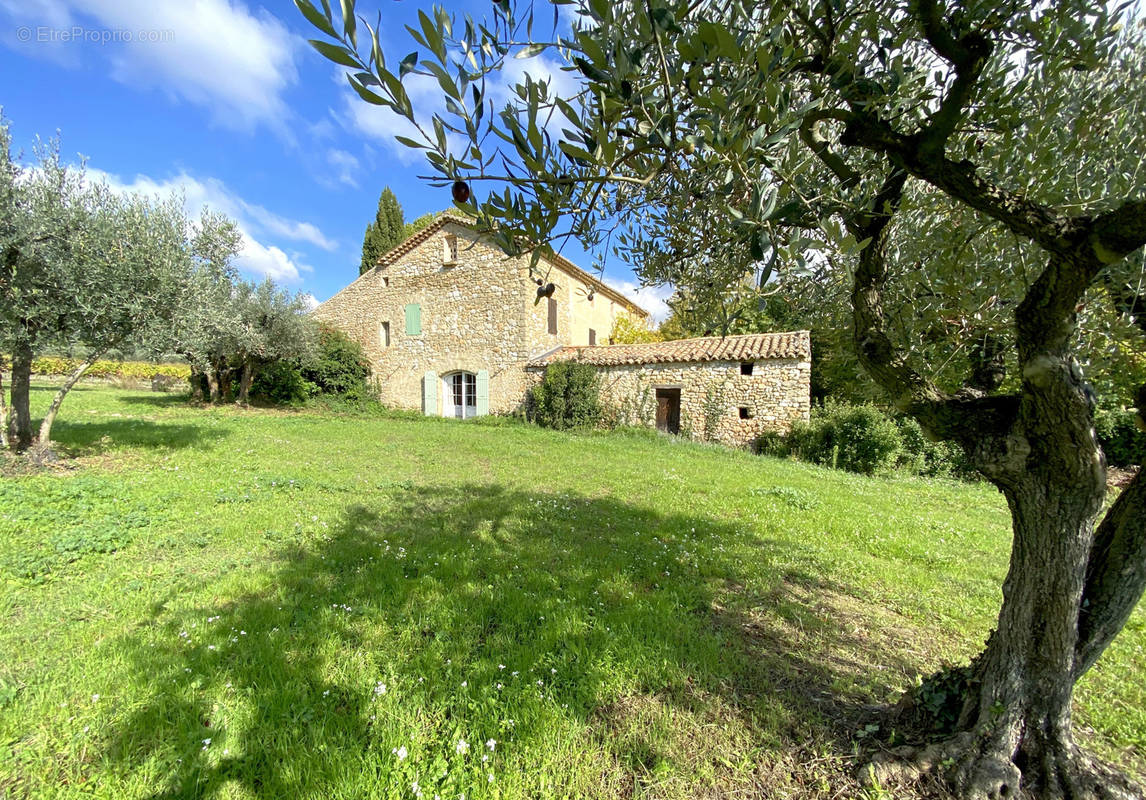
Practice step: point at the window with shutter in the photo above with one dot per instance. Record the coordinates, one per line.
(413, 320)
(553, 315)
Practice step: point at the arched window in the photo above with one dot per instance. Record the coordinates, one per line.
(460, 399)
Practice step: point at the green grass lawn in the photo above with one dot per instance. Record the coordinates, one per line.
(219, 603)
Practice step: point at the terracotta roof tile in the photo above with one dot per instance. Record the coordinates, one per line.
(749, 347)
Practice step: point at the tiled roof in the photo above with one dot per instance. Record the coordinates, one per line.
(405, 247)
(749, 347)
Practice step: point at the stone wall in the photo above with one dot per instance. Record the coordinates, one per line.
(477, 314)
(777, 393)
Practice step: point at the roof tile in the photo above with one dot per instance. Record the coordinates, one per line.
(749, 347)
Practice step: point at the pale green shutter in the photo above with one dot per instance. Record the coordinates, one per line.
(413, 319)
(430, 394)
(483, 393)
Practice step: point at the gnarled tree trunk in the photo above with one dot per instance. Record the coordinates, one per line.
(200, 386)
(57, 401)
(1068, 591)
(3, 413)
(20, 419)
(245, 378)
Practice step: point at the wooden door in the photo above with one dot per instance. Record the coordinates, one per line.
(668, 410)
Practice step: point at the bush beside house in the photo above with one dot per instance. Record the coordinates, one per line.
(566, 397)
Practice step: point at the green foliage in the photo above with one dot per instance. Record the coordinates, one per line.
(931, 459)
(567, 397)
(141, 370)
(335, 368)
(338, 366)
(383, 234)
(1121, 437)
(627, 330)
(862, 438)
(855, 438)
(939, 698)
(282, 383)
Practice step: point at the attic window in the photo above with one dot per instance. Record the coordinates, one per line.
(745, 369)
(745, 412)
(592, 337)
(450, 253)
(385, 282)
(384, 334)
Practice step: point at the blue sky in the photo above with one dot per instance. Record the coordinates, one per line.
(225, 101)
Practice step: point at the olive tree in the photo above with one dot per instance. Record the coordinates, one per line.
(269, 325)
(877, 141)
(84, 265)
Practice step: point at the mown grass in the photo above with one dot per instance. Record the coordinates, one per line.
(208, 603)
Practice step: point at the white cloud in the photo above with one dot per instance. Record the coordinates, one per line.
(217, 54)
(650, 298)
(345, 167)
(256, 257)
(310, 300)
(266, 261)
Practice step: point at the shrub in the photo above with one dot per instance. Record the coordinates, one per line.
(856, 438)
(1122, 440)
(567, 397)
(931, 459)
(772, 443)
(338, 366)
(281, 383)
(106, 368)
(859, 438)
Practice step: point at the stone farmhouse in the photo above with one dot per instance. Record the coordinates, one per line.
(453, 327)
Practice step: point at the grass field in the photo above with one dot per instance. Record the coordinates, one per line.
(219, 603)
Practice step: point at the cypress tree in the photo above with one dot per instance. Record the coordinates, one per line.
(385, 232)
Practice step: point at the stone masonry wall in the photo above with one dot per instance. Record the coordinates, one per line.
(476, 314)
(777, 393)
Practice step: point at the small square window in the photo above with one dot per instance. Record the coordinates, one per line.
(450, 255)
(384, 334)
(746, 367)
(745, 412)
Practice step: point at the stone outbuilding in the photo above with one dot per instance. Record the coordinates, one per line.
(726, 389)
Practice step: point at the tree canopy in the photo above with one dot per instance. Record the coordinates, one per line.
(968, 178)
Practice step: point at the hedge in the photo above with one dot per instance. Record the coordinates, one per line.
(140, 370)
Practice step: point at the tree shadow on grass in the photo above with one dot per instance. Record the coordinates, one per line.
(90, 438)
(159, 399)
(607, 649)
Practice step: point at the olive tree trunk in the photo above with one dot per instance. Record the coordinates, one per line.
(20, 416)
(54, 409)
(1069, 588)
(3, 413)
(245, 378)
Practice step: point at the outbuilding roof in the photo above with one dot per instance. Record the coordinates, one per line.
(403, 248)
(749, 347)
